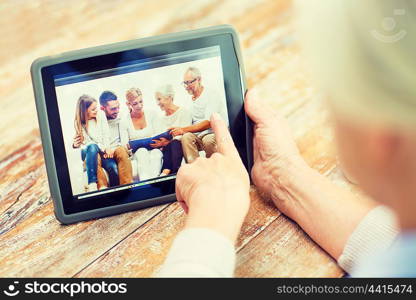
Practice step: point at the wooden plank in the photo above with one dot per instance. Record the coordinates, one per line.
(142, 253)
(32, 242)
(19, 171)
(284, 250)
(40, 246)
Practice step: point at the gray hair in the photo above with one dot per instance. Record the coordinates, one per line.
(195, 71)
(166, 90)
(362, 53)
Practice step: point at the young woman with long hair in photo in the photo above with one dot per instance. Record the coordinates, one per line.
(91, 134)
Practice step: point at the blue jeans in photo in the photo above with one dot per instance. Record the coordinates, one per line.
(90, 155)
(110, 165)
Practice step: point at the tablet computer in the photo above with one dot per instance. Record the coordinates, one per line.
(115, 119)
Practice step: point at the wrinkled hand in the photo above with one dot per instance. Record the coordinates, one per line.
(276, 157)
(175, 131)
(214, 191)
(162, 142)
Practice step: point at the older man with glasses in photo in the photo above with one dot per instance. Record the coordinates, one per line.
(205, 101)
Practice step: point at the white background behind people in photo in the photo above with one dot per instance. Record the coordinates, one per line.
(147, 81)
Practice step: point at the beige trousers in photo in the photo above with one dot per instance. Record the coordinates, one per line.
(192, 144)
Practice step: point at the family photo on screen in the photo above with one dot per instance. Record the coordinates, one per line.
(124, 138)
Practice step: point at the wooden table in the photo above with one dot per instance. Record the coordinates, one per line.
(33, 243)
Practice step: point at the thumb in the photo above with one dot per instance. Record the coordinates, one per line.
(256, 108)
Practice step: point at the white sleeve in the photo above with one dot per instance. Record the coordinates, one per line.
(155, 123)
(87, 139)
(213, 105)
(106, 143)
(103, 131)
(159, 125)
(375, 233)
(185, 118)
(199, 252)
(125, 130)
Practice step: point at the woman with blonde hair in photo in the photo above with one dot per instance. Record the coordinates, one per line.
(92, 133)
(364, 62)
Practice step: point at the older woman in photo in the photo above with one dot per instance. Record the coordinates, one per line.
(174, 116)
(142, 124)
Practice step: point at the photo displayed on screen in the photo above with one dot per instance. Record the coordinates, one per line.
(138, 123)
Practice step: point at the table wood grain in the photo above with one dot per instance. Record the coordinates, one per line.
(134, 244)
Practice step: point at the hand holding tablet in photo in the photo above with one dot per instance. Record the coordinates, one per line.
(214, 191)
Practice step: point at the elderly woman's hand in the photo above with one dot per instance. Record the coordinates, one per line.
(277, 160)
(214, 191)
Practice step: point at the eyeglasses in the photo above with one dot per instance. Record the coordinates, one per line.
(189, 82)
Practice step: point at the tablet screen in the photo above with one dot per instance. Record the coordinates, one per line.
(125, 127)
(118, 116)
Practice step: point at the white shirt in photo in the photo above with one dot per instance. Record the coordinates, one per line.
(97, 131)
(180, 118)
(130, 133)
(116, 129)
(205, 105)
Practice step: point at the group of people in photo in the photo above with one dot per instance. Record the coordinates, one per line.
(109, 140)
